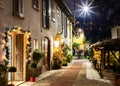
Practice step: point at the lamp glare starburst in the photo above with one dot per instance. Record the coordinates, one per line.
(85, 9)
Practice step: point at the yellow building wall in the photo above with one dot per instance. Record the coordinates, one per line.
(79, 40)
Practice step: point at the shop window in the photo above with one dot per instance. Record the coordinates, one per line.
(45, 9)
(18, 8)
(35, 44)
(35, 4)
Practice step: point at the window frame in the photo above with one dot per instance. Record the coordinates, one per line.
(53, 11)
(58, 12)
(44, 10)
(62, 21)
(65, 26)
(45, 14)
(35, 4)
(1, 4)
(118, 32)
(35, 44)
(18, 8)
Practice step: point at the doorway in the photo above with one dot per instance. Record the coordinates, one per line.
(19, 63)
(46, 50)
(16, 58)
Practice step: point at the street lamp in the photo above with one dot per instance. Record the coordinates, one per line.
(85, 8)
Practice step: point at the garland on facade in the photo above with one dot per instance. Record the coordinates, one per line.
(28, 47)
(6, 49)
(6, 34)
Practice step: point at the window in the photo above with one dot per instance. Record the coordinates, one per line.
(44, 13)
(53, 11)
(118, 32)
(58, 12)
(35, 4)
(70, 29)
(65, 26)
(35, 44)
(1, 4)
(18, 8)
(45, 9)
(62, 21)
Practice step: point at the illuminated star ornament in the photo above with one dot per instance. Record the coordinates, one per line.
(86, 9)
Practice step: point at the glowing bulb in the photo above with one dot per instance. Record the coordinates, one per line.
(80, 30)
(85, 8)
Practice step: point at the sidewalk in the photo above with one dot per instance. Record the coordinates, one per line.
(77, 73)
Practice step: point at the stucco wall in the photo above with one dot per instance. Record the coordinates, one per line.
(114, 31)
(32, 21)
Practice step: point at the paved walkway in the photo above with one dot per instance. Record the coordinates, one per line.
(77, 73)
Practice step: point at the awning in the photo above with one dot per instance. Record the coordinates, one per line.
(111, 44)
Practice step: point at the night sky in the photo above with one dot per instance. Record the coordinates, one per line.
(97, 26)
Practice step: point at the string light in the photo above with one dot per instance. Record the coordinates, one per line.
(18, 29)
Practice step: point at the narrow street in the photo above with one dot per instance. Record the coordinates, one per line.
(59, 42)
(78, 73)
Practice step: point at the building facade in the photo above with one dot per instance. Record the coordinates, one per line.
(115, 32)
(26, 25)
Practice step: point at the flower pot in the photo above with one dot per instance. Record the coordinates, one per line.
(117, 81)
(32, 79)
(10, 85)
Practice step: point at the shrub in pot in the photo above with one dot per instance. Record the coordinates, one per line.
(57, 63)
(69, 58)
(33, 66)
(64, 63)
(37, 55)
(12, 69)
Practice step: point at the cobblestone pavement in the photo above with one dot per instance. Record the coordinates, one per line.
(77, 73)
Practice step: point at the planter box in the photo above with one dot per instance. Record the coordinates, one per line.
(117, 81)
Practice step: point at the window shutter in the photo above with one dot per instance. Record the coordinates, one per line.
(53, 11)
(16, 7)
(1, 4)
(44, 13)
(46, 16)
(47, 13)
(65, 28)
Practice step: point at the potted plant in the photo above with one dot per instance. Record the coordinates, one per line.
(64, 62)
(37, 55)
(12, 69)
(69, 58)
(33, 66)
